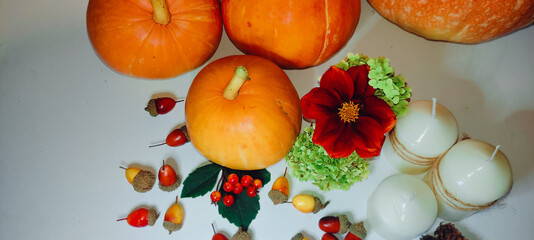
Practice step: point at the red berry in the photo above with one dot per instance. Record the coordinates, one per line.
(251, 191)
(238, 188)
(228, 200)
(232, 178)
(164, 105)
(257, 183)
(329, 236)
(215, 196)
(246, 181)
(228, 187)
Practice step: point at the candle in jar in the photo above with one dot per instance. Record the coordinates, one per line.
(401, 207)
(426, 132)
(472, 176)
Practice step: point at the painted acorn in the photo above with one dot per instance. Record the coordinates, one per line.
(169, 180)
(174, 217)
(141, 180)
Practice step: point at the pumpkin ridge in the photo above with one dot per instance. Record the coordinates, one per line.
(464, 23)
(193, 11)
(280, 104)
(175, 42)
(458, 21)
(131, 67)
(325, 41)
(190, 33)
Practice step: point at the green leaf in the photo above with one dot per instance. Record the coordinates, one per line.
(245, 208)
(242, 212)
(201, 181)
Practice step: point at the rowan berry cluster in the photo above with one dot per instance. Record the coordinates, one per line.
(235, 186)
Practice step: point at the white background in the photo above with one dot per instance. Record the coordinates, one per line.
(67, 122)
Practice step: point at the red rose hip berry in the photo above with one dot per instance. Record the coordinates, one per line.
(251, 191)
(238, 188)
(215, 196)
(232, 178)
(228, 200)
(228, 187)
(257, 183)
(246, 181)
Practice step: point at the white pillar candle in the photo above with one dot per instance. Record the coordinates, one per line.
(401, 207)
(426, 132)
(472, 176)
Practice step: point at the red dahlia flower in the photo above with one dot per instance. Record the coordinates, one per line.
(348, 116)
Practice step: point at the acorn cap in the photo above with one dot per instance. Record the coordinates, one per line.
(242, 235)
(319, 205)
(152, 216)
(358, 229)
(344, 224)
(143, 181)
(173, 186)
(171, 226)
(151, 108)
(277, 197)
(448, 231)
(184, 130)
(299, 236)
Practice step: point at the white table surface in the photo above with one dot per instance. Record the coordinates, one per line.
(67, 122)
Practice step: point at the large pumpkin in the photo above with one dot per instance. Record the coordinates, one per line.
(152, 38)
(238, 123)
(457, 20)
(293, 34)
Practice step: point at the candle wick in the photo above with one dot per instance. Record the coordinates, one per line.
(494, 153)
(485, 163)
(433, 108)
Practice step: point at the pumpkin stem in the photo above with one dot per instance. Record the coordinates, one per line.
(161, 13)
(232, 89)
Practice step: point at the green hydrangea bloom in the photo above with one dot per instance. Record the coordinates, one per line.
(310, 162)
(390, 88)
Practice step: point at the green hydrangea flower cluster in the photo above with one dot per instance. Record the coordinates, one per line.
(310, 162)
(390, 88)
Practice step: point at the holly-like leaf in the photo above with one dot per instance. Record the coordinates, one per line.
(245, 208)
(201, 181)
(242, 212)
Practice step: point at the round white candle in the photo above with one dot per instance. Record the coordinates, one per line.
(427, 131)
(473, 174)
(401, 207)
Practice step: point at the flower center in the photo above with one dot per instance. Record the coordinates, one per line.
(349, 112)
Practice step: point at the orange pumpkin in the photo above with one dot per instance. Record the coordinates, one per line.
(238, 123)
(152, 38)
(457, 20)
(293, 34)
